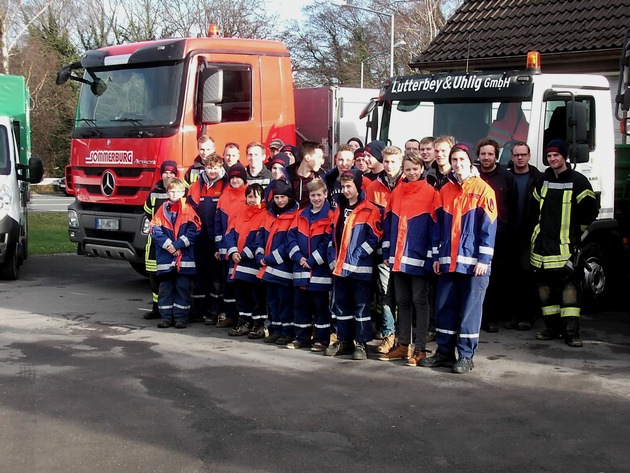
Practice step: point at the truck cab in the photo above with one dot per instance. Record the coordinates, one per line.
(17, 170)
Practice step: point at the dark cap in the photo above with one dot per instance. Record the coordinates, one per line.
(557, 146)
(280, 158)
(276, 143)
(356, 175)
(375, 148)
(282, 187)
(359, 153)
(168, 166)
(466, 148)
(238, 170)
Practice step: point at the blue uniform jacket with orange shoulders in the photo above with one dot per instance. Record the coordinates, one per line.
(466, 225)
(203, 195)
(241, 238)
(309, 238)
(231, 201)
(408, 227)
(182, 231)
(353, 255)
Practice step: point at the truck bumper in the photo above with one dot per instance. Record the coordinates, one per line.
(107, 234)
(9, 234)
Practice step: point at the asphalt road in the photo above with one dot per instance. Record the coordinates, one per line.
(88, 385)
(50, 202)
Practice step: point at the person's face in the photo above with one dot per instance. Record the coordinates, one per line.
(212, 171)
(349, 190)
(273, 152)
(412, 146)
(206, 149)
(318, 198)
(315, 160)
(412, 171)
(236, 182)
(520, 157)
(167, 177)
(487, 158)
(253, 198)
(354, 145)
(427, 152)
(281, 200)
(276, 171)
(344, 160)
(361, 164)
(255, 157)
(556, 161)
(370, 161)
(460, 162)
(392, 163)
(175, 194)
(231, 156)
(442, 151)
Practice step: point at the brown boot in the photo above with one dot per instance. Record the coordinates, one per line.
(414, 360)
(401, 352)
(386, 345)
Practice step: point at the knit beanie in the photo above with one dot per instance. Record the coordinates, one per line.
(280, 158)
(375, 148)
(356, 175)
(282, 187)
(168, 166)
(557, 146)
(238, 170)
(466, 148)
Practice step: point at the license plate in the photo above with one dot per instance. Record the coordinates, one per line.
(107, 224)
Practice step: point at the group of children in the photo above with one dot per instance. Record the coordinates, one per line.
(293, 275)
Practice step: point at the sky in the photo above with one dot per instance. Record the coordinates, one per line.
(288, 9)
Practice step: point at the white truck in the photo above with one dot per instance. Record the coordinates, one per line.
(525, 106)
(17, 170)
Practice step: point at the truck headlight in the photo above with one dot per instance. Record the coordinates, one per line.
(6, 198)
(73, 219)
(146, 225)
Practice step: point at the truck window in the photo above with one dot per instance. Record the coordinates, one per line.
(556, 116)
(5, 164)
(237, 93)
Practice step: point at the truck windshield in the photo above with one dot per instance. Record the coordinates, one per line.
(146, 96)
(505, 121)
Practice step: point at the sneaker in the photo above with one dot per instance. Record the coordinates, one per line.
(438, 360)
(463, 365)
(318, 346)
(211, 319)
(401, 352)
(416, 357)
(360, 352)
(271, 338)
(240, 329)
(524, 325)
(180, 324)
(548, 334)
(285, 340)
(386, 345)
(339, 348)
(164, 324)
(296, 345)
(225, 323)
(257, 332)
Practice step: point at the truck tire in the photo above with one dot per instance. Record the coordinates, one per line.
(10, 269)
(140, 269)
(597, 273)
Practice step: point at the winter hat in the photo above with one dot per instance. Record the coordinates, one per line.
(238, 170)
(375, 148)
(359, 153)
(282, 187)
(168, 166)
(294, 150)
(276, 143)
(357, 140)
(557, 146)
(466, 148)
(280, 158)
(356, 175)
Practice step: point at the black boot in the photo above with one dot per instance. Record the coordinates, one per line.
(154, 314)
(554, 328)
(572, 331)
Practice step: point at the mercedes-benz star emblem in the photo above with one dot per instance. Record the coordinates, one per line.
(108, 184)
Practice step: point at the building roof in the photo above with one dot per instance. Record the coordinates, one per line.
(497, 34)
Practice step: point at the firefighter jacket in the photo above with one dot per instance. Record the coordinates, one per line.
(408, 227)
(181, 230)
(272, 245)
(352, 256)
(193, 172)
(466, 226)
(309, 238)
(378, 191)
(563, 207)
(230, 203)
(510, 125)
(241, 238)
(154, 201)
(203, 195)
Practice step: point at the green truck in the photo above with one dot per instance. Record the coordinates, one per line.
(17, 171)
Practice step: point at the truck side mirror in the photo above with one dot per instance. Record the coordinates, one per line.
(576, 132)
(35, 170)
(209, 94)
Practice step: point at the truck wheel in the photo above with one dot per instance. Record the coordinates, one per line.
(596, 270)
(10, 269)
(140, 269)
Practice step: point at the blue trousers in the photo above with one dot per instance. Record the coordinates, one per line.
(280, 302)
(352, 299)
(251, 300)
(175, 296)
(459, 302)
(309, 306)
